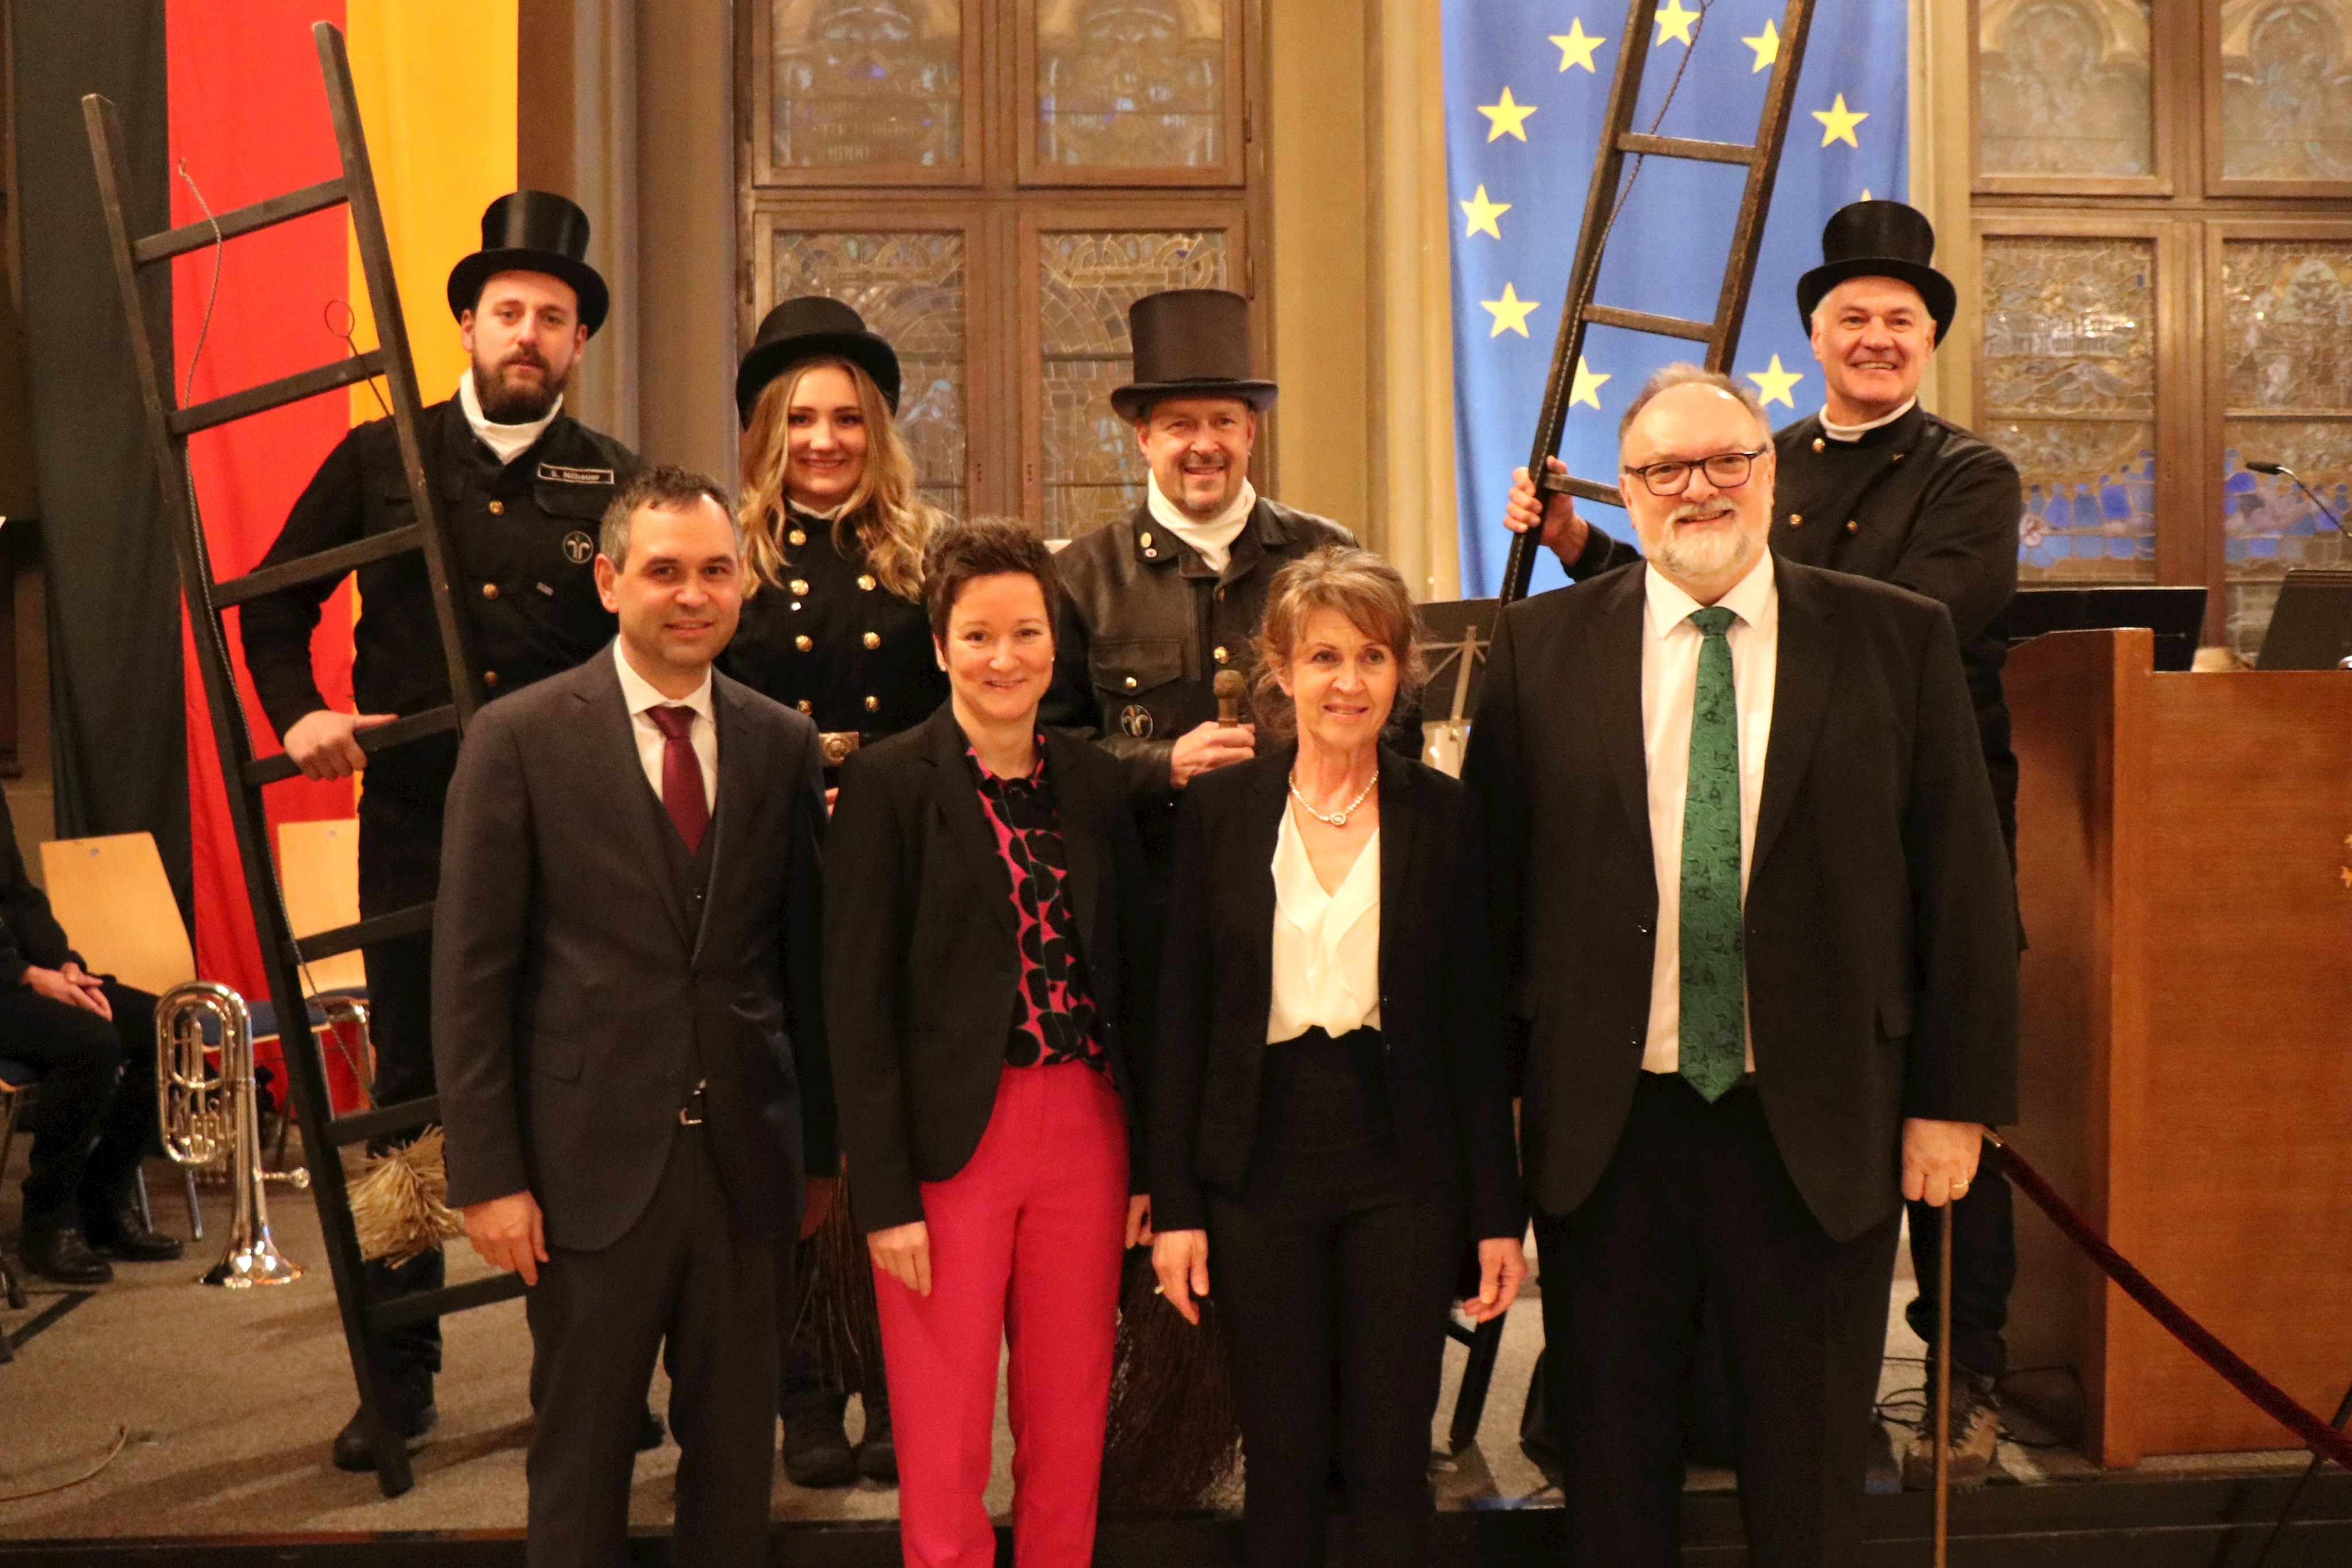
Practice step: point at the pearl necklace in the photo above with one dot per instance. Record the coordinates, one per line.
(1337, 819)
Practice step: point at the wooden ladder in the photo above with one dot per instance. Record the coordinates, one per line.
(140, 266)
(1602, 199)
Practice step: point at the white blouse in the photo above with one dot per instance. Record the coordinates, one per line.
(1327, 946)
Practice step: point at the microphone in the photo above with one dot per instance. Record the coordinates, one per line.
(2281, 468)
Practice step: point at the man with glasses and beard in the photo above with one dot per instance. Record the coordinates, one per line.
(521, 486)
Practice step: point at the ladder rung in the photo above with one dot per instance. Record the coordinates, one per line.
(481, 1292)
(414, 920)
(1553, 484)
(333, 562)
(384, 1120)
(384, 738)
(276, 394)
(243, 221)
(1683, 147)
(1642, 322)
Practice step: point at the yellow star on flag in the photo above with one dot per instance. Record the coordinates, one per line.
(1589, 384)
(1865, 193)
(1767, 45)
(1482, 215)
(1773, 386)
(1510, 118)
(1510, 312)
(1837, 123)
(1673, 22)
(1575, 49)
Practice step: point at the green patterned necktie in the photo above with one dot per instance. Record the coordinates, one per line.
(1714, 999)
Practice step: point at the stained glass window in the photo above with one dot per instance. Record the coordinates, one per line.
(2063, 87)
(2288, 385)
(2069, 393)
(2286, 90)
(1092, 472)
(1130, 84)
(867, 84)
(909, 288)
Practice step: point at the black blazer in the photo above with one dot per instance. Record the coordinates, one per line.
(1440, 1010)
(921, 961)
(574, 990)
(1881, 931)
(30, 932)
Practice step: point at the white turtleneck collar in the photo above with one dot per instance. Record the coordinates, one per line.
(1213, 540)
(1852, 433)
(508, 442)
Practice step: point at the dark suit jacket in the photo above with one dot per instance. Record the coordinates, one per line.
(1441, 1016)
(1881, 932)
(921, 961)
(574, 990)
(30, 932)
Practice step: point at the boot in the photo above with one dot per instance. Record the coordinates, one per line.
(119, 1232)
(878, 1456)
(1975, 1435)
(60, 1252)
(816, 1447)
(413, 1415)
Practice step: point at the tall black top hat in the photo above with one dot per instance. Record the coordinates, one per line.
(1188, 343)
(1879, 239)
(532, 231)
(811, 327)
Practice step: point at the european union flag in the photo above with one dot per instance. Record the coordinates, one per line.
(1527, 85)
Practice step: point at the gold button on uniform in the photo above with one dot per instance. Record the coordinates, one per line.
(1144, 539)
(1220, 655)
(490, 677)
(798, 585)
(872, 703)
(489, 590)
(805, 705)
(1796, 520)
(865, 582)
(796, 538)
(1130, 682)
(498, 509)
(1819, 443)
(803, 642)
(872, 639)
(1853, 527)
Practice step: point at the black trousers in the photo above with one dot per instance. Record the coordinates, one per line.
(1984, 1270)
(399, 865)
(97, 1109)
(1696, 1204)
(1331, 1250)
(685, 1283)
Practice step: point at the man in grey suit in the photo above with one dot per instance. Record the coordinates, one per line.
(1754, 909)
(628, 1032)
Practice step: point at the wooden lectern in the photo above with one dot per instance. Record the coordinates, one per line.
(2183, 846)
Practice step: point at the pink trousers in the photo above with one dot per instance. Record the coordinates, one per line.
(1026, 1249)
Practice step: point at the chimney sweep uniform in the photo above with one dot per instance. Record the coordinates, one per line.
(1147, 621)
(521, 527)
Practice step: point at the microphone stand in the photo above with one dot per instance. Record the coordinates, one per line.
(2297, 478)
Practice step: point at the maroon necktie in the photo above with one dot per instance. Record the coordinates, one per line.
(681, 774)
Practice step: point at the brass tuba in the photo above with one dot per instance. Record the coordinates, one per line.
(209, 1116)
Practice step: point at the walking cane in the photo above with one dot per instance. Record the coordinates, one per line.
(1943, 1380)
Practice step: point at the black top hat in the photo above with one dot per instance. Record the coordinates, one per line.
(532, 231)
(1879, 239)
(811, 327)
(1188, 343)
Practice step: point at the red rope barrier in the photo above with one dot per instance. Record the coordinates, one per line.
(2274, 1402)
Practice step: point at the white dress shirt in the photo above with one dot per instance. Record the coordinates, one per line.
(1215, 539)
(1670, 647)
(652, 743)
(1327, 946)
(508, 440)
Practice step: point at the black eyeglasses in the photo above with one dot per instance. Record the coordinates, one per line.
(1725, 471)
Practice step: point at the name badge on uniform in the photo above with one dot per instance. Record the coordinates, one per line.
(578, 548)
(563, 475)
(1135, 720)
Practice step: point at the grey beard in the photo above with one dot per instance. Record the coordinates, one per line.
(1707, 556)
(506, 403)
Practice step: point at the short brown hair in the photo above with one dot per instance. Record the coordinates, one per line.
(1684, 374)
(665, 488)
(1360, 586)
(984, 546)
